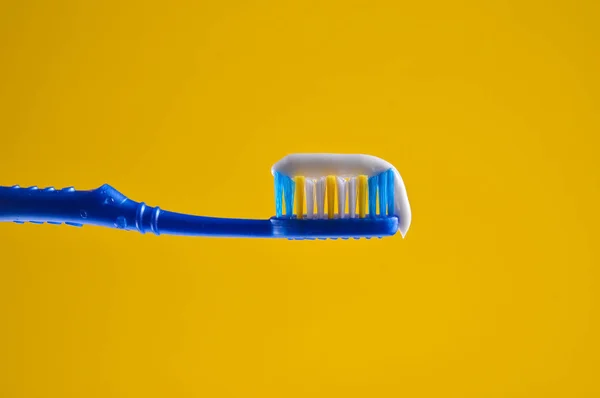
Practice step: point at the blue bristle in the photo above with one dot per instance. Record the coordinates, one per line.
(382, 192)
(373, 181)
(390, 192)
(278, 194)
(288, 192)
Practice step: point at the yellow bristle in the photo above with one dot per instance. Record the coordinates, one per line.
(362, 196)
(330, 196)
(299, 180)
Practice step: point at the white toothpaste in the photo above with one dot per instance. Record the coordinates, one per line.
(317, 165)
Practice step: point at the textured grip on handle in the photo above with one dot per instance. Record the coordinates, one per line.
(9, 210)
(103, 206)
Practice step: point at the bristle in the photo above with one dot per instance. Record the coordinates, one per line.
(320, 196)
(390, 200)
(330, 197)
(288, 193)
(278, 195)
(310, 197)
(382, 180)
(362, 195)
(373, 196)
(299, 183)
(351, 188)
(341, 192)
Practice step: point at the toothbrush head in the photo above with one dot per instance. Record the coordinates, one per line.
(338, 195)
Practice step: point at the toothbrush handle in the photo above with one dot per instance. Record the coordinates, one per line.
(107, 207)
(103, 206)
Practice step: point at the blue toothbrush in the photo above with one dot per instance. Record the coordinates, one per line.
(107, 207)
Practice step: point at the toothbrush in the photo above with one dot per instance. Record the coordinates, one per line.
(355, 196)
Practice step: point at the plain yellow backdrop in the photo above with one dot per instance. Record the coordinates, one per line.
(490, 110)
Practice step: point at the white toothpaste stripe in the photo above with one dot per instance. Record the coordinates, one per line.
(320, 193)
(352, 197)
(341, 191)
(310, 197)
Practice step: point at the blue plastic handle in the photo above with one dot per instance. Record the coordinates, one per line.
(107, 207)
(103, 206)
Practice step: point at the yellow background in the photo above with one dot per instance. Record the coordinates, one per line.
(490, 110)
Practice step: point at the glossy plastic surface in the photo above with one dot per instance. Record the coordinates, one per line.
(106, 207)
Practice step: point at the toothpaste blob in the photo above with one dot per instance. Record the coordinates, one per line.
(320, 165)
